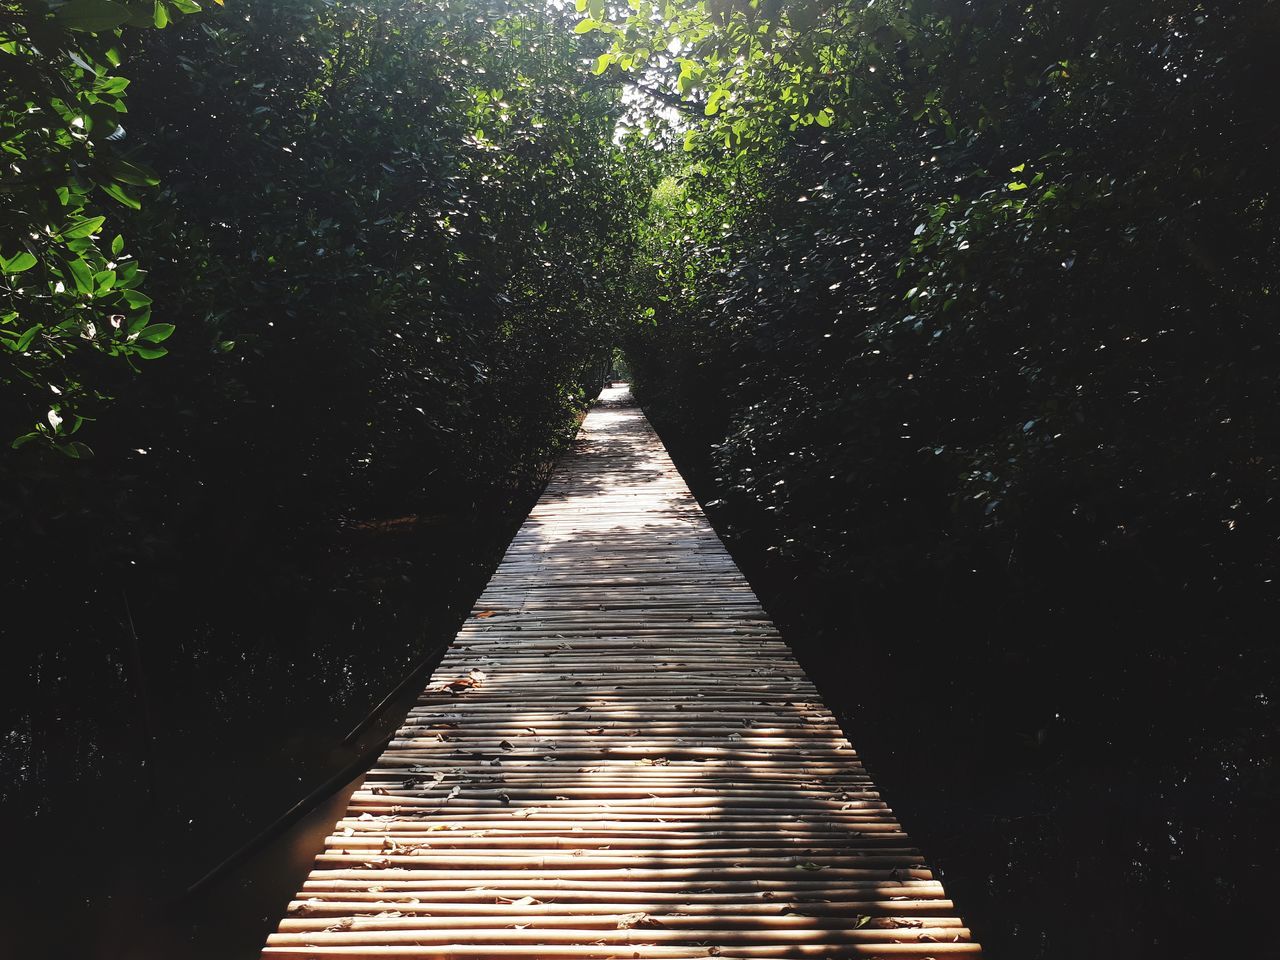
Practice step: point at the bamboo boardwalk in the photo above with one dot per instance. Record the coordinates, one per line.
(619, 757)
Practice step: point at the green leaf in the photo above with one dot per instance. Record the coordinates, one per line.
(187, 6)
(1016, 186)
(75, 450)
(825, 117)
(117, 192)
(161, 16)
(586, 26)
(83, 228)
(82, 276)
(129, 275)
(81, 62)
(28, 335)
(127, 172)
(135, 299)
(117, 245)
(157, 332)
(23, 261)
(1018, 169)
(602, 63)
(150, 353)
(141, 16)
(92, 16)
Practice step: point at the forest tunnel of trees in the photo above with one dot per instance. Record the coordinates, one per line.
(959, 317)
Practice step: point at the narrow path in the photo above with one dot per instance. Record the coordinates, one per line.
(619, 757)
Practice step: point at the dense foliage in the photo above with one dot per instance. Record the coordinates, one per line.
(370, 235)
(71, 296)
(983, 294)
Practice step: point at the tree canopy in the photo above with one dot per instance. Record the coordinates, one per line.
(386, 236)
(973, 287)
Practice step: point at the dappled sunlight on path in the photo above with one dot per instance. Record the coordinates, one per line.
(619, 757)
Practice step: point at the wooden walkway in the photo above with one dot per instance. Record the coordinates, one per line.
(619, 757)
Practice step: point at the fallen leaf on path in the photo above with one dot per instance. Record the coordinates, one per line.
(629, 920)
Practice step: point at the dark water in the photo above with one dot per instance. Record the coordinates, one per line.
(131, 768)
